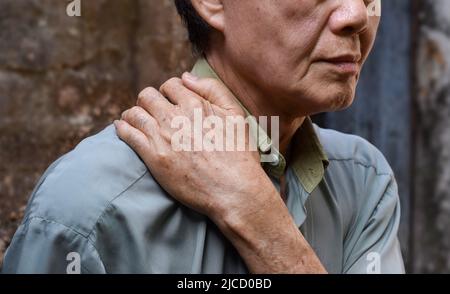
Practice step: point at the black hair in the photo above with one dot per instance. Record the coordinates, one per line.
(199, 30)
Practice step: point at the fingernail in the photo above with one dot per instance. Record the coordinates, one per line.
(190, 76)
(116, 123)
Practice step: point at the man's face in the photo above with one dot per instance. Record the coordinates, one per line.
(305, 54)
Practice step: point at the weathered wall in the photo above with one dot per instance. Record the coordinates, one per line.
(63, 78)
(431, 225)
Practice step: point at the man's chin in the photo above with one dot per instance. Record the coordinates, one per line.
(330, 98)
(342, 94)
(339, 100)
(342, 102)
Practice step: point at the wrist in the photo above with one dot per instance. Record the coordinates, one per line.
(250, 222)
(243, 204)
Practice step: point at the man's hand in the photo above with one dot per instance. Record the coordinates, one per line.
(230, 187)
(211, 182)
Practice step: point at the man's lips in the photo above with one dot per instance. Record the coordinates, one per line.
(344, 64)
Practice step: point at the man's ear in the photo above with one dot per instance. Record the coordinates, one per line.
(212, 11)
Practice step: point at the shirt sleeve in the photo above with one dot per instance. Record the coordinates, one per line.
(373, 243)
(43, 246)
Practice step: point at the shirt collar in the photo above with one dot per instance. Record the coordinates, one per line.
(309, 159)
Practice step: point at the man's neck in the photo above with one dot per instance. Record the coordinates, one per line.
(255, 101)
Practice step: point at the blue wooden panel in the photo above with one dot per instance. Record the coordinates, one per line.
(381, 112)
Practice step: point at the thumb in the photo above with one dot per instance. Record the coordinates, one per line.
(212, 90)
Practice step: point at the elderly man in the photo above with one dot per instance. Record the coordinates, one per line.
(103, 208)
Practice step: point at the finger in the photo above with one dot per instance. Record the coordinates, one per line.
(137, 140)
(177, 93)
(212, 90)
(140, 119)
(154, 103)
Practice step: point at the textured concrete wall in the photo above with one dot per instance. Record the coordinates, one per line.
(63, 78)
(431, 243)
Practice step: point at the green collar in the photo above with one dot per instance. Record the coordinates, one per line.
(309, 160)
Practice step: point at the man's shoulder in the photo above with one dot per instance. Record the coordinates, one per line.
(359, 179)
(342, 148)
(77, 189)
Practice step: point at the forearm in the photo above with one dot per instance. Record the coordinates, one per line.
(267, 237)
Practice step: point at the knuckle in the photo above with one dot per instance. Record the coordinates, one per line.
(146, 95)
(144, 92)
(125, 114)
(170, 86)
(148, 91)
(134, 111)
(174, 81)
(164, 87)
(162, 158)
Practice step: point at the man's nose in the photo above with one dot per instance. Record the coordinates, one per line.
(351, 17)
